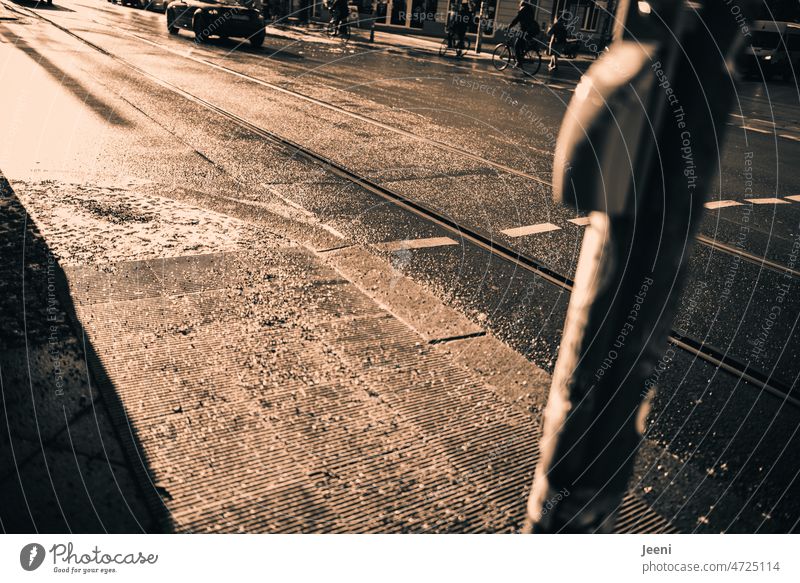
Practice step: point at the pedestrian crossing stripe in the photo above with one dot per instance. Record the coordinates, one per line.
(766, 200)
(719, 204)
(757, 130)
(393, 246)
(530, 230)
(332, 231)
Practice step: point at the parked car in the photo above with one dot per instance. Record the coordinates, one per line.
(222, 18)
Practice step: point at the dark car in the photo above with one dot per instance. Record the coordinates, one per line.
(158, 5)
(135, 3)
(217, 18)
(774, 49)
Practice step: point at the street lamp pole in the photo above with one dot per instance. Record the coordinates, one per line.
(479, 35)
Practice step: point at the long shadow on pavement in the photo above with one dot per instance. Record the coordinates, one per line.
(63, 466)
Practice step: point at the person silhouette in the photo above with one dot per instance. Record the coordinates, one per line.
(627, 166)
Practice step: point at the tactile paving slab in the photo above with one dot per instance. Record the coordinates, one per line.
(263, 393)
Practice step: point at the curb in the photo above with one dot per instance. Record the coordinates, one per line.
(578, 65)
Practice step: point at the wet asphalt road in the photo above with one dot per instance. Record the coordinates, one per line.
(724, 428)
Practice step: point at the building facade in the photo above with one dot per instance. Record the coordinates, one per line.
(588, 20)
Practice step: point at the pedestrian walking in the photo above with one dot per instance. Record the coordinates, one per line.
(557, 33)
(459, 25)
(638, 148)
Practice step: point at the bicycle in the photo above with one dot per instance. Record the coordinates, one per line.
(340, 28)
(505, 56)
(449, 44)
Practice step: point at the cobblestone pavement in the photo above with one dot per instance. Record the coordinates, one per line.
(239, 381)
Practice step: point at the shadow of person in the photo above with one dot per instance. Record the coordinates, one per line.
(63, 465)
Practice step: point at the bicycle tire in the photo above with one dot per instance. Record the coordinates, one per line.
(533, 62)
(444, 47)
(330, 31)
(502, 56)
(461, 49)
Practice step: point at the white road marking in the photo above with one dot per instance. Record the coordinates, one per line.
(719, 204)
(772, 132)
(530, 230)
(794, 197)
(766, 200)
(393, 246)
(757, 130)
(332, 231)
(580, 221)
(769, 124)
(290, 202)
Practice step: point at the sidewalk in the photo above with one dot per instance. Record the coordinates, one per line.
(408, 44)
(257, 377)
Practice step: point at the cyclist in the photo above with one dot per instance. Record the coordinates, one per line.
(528, 29)
(340, 11)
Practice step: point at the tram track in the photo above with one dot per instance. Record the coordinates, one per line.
(704, 240)
(697, 347)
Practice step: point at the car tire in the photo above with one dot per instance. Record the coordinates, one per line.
(171, 28)
(257, 39)
(198, 26)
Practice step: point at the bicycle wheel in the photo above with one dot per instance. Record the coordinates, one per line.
(502, 56)
(533, 61)
(444, 47)
(461, 48)
(330, 30)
